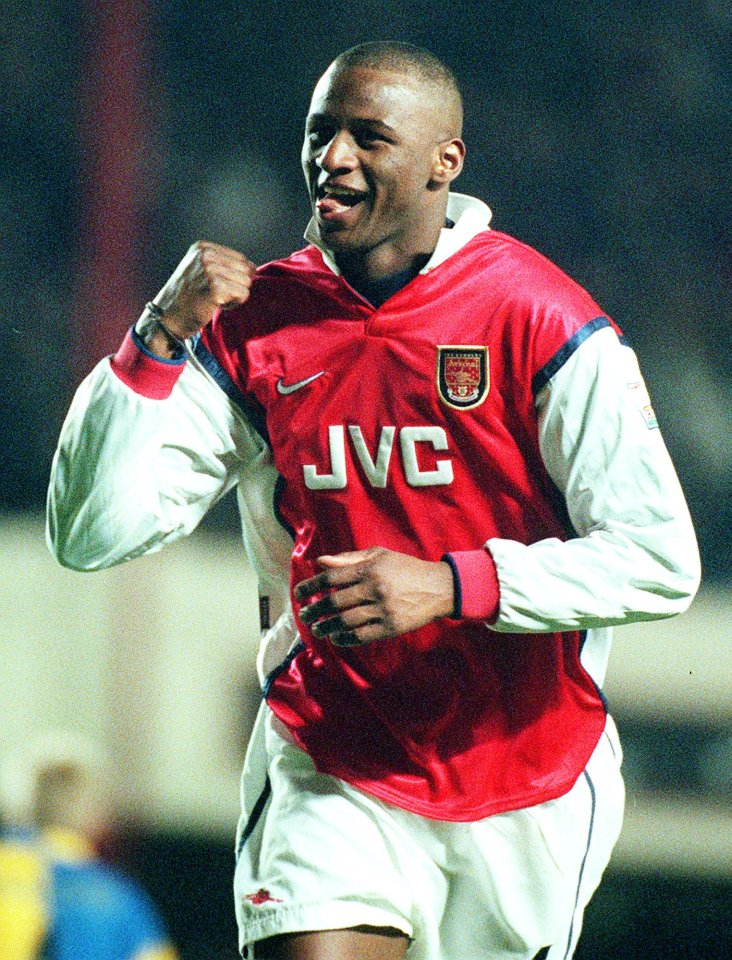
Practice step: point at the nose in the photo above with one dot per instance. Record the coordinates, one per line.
(337, 154)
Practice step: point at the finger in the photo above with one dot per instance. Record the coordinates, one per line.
(348, 558)
(311, 587)
(342, 569)
(335, 602)
(226, 287)
(320, 608)
(326, 581)
(345, 640)
(232, 262)
(243, 272)
(211, 265)
(360, 636)
(346, 621)
(235, 258)
(205, 250)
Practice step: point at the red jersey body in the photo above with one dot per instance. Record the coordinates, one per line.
(413, 427)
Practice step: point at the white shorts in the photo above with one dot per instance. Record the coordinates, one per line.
(318, 854)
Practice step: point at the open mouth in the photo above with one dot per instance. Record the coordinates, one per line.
(333, 202)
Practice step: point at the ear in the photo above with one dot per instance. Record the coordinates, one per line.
(448, 162)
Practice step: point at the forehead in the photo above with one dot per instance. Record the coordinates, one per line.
(371, 93)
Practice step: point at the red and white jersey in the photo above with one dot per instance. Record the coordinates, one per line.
(489, 403)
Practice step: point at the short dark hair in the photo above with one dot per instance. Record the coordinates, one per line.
(402, 57)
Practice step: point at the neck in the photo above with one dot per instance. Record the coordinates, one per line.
(394, 255)
(358, 270)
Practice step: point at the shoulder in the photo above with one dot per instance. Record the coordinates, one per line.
(302, 263)
(284, 291)
(525, 275)
(542, 310)
(284, 287)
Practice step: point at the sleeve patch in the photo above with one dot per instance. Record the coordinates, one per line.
(641, 399)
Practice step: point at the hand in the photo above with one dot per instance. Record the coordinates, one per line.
(375, 594)
(208, 277)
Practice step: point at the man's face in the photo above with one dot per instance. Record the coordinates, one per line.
(371, 141)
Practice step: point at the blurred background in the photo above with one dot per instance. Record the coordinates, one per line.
(598, 133)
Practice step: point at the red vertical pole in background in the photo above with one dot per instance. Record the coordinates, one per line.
(115, 122)
(115, 170)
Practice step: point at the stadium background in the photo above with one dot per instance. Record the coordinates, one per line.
(596, 132)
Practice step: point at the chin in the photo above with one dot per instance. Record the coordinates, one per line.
(339, 240)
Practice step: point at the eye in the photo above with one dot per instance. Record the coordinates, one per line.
(369, 138)
(318, 136)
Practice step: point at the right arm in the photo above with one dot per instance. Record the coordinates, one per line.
(132, 473)
(150, 442)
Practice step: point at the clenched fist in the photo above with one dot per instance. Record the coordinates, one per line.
(208, 277)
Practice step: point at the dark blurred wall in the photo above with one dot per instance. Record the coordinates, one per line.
(595, 132)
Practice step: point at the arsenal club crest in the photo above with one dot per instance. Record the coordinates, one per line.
(462, 376)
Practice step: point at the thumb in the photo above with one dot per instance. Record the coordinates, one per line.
(345, 559)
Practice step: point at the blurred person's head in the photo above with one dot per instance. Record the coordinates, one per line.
(56, 781)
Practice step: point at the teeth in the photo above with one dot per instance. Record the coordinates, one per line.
(340, 192)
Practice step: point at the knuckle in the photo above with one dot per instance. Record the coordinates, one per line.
(323, 580)
(217, 290)
(380, 584)
(328, 604)
(207, 257)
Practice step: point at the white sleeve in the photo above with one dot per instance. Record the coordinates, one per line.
(131, 473)
(634, 556)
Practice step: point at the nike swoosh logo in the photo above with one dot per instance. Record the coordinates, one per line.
(285, 388)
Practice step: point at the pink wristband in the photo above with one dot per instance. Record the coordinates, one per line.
(143, 371)
(477, 591)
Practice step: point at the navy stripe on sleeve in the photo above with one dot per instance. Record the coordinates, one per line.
(252, 411)
(544, 375)
(279, 492)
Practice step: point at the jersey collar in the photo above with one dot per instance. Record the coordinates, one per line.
(470, 216)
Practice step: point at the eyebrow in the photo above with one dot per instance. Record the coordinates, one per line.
(315, 118)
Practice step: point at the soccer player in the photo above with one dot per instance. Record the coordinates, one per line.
(59, 900)
(450, 473)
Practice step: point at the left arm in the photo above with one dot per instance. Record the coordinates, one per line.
(634, 556)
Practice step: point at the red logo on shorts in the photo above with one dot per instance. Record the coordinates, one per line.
(260, 897)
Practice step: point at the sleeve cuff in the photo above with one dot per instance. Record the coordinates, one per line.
(477, 591)
(143, 371)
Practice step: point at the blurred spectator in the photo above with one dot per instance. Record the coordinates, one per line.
(58, 899)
